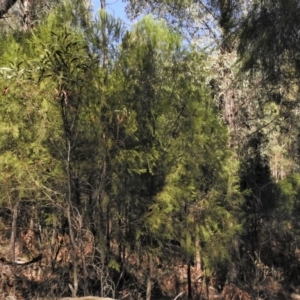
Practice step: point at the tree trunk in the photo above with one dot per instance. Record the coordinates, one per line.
(108, 228)
(197, 254)
(26, 20)
(228, 93)
(149, 283)
(73, 288)
(13, 233)
(189, 277)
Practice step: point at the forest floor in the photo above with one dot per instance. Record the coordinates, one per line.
(43, 271)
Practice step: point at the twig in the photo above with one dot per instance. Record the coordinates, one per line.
(179, 295)
(34, 260)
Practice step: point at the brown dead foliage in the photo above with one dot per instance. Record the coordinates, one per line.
(232, 292)
(86, 298)
(48, 276)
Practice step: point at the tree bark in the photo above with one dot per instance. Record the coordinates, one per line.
(5, 5)
(149, 285)
(190, 296)
(13, 233)
(74, 288)
(26, 20)
(197, 254)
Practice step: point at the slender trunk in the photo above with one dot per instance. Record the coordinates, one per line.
(189, 277)
(120, 238)
(228, 93)
(13, 232)
(108, 221)
(104, 40)
(207, 279)
(85, 273)
(72, 238)
(31, 223)
(103, 4)
(149, 283)
(53, 236)
(75, 271)
(197, 254)
(53, 250)
(26, 20)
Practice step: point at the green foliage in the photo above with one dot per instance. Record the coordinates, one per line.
(179, 130)
(124, 133)
(23, 119)
(288, 206)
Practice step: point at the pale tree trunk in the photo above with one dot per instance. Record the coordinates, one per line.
(227, 99)
(149, 283)
(198, 266)
(108, 229)
(13, 232)
(74, 289)
(26, 20)
(226, 62)
(53, 249)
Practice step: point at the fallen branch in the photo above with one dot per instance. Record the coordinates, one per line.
(179, 295)
(34, 260)
(86, 298)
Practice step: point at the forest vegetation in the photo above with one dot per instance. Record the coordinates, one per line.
(153, 161)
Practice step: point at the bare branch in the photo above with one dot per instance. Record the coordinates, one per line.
(179, 295)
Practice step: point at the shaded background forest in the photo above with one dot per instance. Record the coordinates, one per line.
(145, 162)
